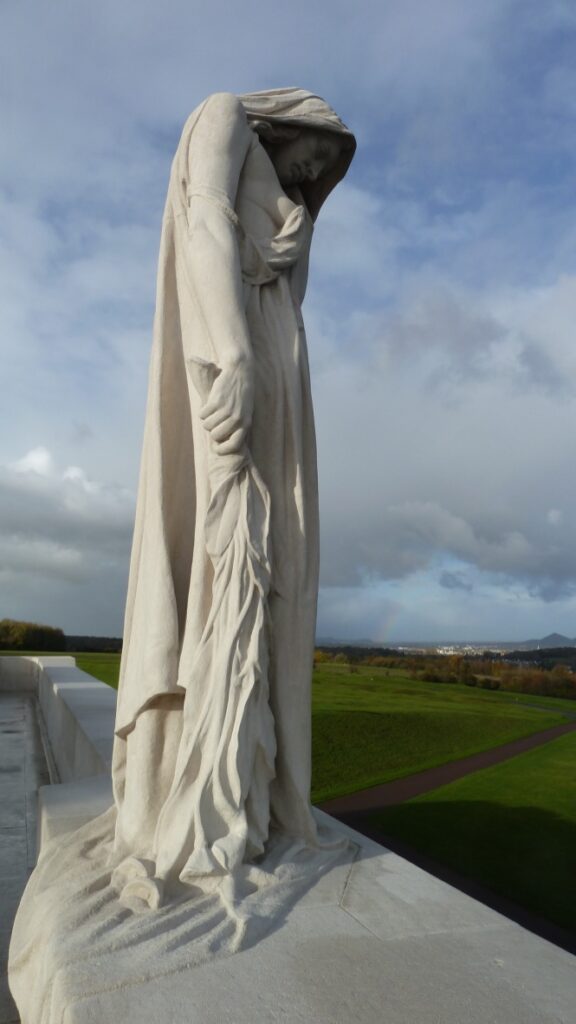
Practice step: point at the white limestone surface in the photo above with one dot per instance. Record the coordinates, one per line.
(18, 675)
(212, 825)
(66, 807)
(213, 732)
(78, 712)
(376, 940)
(22, 770)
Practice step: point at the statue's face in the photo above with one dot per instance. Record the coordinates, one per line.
(306, 158)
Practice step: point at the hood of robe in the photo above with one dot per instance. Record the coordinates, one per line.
(299, 108)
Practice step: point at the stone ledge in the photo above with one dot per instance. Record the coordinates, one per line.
(65, 807)
(78, 713)
(378, 941)
(382, 942)
(77, 710)
(18, 674)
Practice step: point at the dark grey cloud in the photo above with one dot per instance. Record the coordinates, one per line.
(441, 303)
(455, 581)
(64, 546)
(538, 368)
(60, 524)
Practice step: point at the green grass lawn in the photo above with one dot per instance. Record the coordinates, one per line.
(554, 703)
(375, 725)
(103, 666)
(511, 827)
(370, 727)
(334, 684)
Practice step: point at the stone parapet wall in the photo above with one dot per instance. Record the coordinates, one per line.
(19, 674)
(77, 711)
(77, 718)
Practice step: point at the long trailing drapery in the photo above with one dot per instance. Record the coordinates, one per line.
(237, 627)
(212, 834)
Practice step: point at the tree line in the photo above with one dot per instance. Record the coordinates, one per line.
(30, 636)
(486, 671)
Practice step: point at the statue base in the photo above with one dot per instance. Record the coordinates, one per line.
(374, 939)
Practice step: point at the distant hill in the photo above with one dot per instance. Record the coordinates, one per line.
(330, 641)
(552, 640)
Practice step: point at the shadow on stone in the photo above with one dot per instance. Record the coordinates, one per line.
(518, 860)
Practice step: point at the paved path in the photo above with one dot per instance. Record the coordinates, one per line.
(396, 792)
(357, 809)
(22, 771)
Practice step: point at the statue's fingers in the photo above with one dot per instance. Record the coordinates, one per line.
(220, 415)
(232, 444)
(212, 406)
(224, 430)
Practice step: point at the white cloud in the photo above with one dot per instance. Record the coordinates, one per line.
(22, 555)
(554, 516)
(39, 460)
(51, 518)
(441, 306)
(443, 441)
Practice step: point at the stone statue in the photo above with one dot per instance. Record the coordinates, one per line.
(212, 754)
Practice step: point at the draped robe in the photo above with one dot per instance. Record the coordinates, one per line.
(212, 836)
(221, 610)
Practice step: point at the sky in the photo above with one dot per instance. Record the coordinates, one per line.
(440, 314)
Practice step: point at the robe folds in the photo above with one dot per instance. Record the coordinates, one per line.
(211, 837)
(221, 610)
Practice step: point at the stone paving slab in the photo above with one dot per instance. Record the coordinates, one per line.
(387, 944)
(22, 771)
(69, 805)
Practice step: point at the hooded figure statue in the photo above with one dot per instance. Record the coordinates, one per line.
(211, 767)
(218, 643)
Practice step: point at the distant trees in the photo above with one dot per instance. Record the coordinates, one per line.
(30, 636)
(546, 657)
(320, 657)
(487, 671)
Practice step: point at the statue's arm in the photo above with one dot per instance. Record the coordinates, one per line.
(220, 143)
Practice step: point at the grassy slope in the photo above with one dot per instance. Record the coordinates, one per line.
(374, 725)
(370, 727)
(104, 666)
(511, 827)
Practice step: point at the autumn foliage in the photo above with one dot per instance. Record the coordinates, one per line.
(30, 636)
(484, 672)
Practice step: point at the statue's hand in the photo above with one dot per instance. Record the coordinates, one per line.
(227, 414)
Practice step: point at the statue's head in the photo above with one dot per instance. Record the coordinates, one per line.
(307, 142)
(300, 154)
